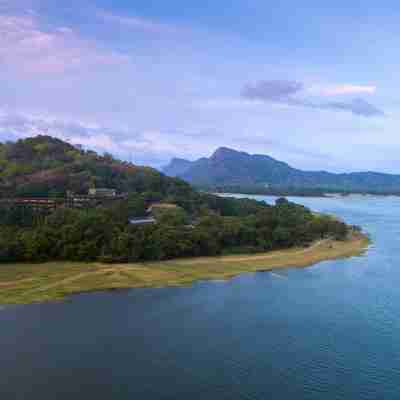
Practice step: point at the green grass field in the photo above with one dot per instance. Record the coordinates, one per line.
(31, 283)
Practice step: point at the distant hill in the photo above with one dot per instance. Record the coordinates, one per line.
(177, 166)
(44, 165)
(231, 168)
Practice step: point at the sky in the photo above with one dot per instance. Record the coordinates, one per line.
(310, 83)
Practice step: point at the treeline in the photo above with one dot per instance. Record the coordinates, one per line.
(217, 226)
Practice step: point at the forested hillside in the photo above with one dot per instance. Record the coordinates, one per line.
(44, 165)
(193, 224)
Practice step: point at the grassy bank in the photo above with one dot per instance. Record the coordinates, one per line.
(30, 283)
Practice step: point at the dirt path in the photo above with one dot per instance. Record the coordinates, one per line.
(278, 253)
(81, 275)
(13, 283)
(61, 282)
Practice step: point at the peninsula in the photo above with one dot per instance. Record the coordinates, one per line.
(73, 221)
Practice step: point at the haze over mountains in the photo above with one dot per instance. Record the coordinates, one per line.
(228, 167)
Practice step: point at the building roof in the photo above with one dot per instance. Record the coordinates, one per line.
(102, 192)
(141, 221)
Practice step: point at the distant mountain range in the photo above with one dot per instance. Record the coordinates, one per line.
(231, 168)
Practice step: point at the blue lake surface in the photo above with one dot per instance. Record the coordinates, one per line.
(328, 332)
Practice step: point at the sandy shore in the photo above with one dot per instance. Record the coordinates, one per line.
(30, 283)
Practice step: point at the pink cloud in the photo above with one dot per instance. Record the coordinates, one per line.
(343, 89)
(26, 46)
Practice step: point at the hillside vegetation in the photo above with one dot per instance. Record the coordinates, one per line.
(43, 165)
(199, 224)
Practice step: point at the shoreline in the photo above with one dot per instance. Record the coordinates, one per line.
(55, 281)
(324, 195)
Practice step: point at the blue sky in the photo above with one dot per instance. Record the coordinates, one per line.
(311, 83)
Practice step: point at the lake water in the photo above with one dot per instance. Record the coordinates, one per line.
(327, 332)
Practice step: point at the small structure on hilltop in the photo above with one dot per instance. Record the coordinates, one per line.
(151, 211)
(102, 192)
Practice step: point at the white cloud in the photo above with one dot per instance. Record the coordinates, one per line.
(148, 147)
